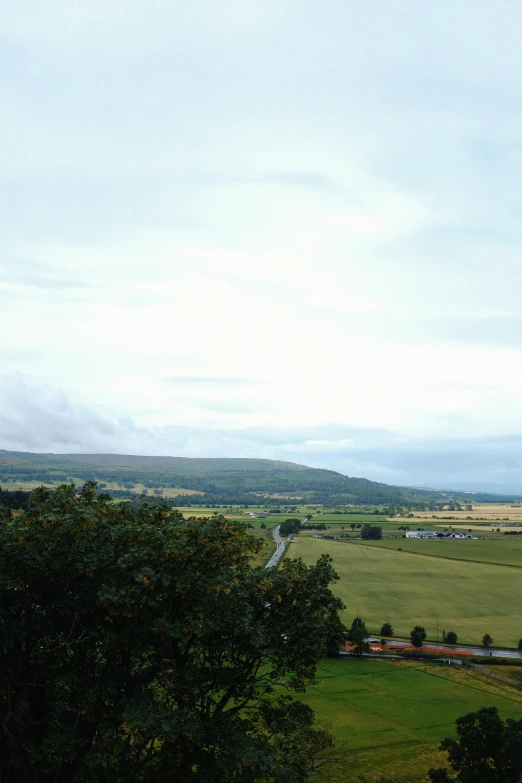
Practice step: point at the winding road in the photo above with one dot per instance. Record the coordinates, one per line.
(280, 548)
(495, 652)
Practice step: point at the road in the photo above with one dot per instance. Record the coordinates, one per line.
(280, 548)
(495, 652)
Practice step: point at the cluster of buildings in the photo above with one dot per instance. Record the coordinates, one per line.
(434, 534)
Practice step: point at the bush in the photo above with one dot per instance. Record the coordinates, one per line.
(386, 629)
(417, 635)
(371, 532)
(357, 625)
(450, 638)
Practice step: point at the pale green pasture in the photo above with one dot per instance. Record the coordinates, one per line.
(386, 585)
(491, 549)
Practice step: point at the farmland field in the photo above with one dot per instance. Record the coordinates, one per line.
(499, 549)
(386, 585)
(392, 715)
(268, 549)
(347, 519)
(488, 511)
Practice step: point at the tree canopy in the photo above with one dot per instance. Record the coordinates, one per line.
(371, 532)
(140, 646)
(290, 526)
(417, 635)
(487, 750)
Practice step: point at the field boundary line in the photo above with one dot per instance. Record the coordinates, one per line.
(485, 678)
(438, 557)
(493, 676)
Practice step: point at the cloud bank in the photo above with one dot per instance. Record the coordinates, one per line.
(44, 419)
(226, 221)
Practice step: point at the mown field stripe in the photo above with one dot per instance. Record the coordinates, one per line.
(427, 554)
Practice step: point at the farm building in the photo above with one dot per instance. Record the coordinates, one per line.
(421, 534)
(433, 534)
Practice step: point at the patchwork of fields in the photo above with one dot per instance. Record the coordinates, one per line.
(391, 716)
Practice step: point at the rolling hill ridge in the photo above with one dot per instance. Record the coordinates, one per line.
(222, 480)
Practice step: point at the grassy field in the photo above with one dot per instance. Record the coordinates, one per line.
(268, 549)
(488, 511)
(511, 673)
(347, 519)
(491, 549)
(386, 585)
(392, 716)
(27, 486)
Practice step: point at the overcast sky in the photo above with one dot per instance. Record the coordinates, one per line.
(275, 228)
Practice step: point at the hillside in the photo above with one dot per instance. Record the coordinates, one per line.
(221, 480)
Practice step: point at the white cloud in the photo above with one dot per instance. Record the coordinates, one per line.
(324, 201)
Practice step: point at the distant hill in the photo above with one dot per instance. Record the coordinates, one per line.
(491, 487)
(221, 480)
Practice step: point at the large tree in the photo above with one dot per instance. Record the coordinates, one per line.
(418, 635)
(371, 532)
(487, 750)
(139, 646)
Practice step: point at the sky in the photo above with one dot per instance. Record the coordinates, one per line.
(265, 228)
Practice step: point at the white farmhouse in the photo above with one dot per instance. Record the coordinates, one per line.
(421, 534)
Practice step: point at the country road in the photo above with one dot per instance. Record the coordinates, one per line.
(494, 652)
(280, 548)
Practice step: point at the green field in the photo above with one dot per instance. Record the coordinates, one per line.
(347, 519)
(384, 584)
(392, 716)
(264, 555)
(490, 549)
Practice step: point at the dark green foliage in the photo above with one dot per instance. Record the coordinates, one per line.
(386, 629)
(336, 640)
(290, 526)
(487, 750)
(222, 480)
(417, 635)
(359, 640)
(450, 637)
(358, 624)
(380, 779)
(487, 640)
(5, 514)
(140, 647)
(14, 498)
(519, 647)
(371, 532)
